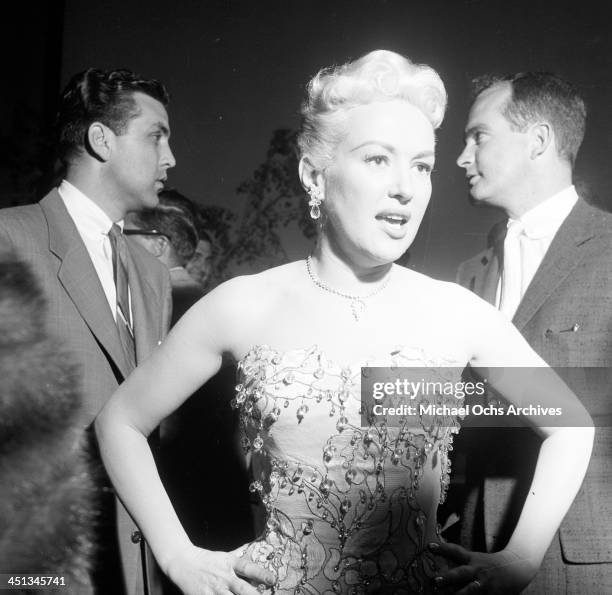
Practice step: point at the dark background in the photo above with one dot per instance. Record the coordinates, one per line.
(236, 71)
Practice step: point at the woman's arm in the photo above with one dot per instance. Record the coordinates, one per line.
(189, 356)
(503, 357)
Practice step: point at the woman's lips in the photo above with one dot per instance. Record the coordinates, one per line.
(394, 224)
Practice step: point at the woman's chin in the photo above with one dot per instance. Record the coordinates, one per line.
(396, 249)
(389, 255)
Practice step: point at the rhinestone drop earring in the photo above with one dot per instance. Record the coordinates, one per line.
(315, 201)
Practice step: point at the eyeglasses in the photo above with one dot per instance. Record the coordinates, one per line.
(143, 232)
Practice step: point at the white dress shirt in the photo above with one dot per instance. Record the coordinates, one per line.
(527, 242)
(93, 225)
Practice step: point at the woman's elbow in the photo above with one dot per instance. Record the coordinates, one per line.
(110, 419)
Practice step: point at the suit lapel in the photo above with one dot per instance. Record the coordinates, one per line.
(486, 278)
(563, 255)
(486, 283)
(79, 278)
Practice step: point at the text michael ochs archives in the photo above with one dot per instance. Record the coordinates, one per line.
(394, 395)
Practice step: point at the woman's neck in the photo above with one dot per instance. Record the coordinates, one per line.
(342, 274)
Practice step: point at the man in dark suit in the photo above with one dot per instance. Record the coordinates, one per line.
(549, 269)
(172, 238)
(109, 300)
(200, 265)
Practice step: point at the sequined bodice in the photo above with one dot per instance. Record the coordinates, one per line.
(350, 509)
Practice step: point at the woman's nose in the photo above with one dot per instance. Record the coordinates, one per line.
(402, 188)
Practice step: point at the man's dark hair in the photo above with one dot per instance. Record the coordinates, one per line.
(543, 96)
(204, 236)
(100, 96)
(173, 199)
(169, 197)
(173, 224)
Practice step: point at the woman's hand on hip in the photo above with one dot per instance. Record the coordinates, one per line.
(197, 571)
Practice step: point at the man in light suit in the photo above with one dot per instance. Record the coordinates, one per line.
(548, 268)
(109, 300)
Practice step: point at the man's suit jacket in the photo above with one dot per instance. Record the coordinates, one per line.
(45, 236)
(566, 316)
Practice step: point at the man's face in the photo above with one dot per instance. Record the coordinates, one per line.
(141, 155)
(199, 266)
(496, 158)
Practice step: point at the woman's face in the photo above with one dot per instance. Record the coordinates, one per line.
(377, 188)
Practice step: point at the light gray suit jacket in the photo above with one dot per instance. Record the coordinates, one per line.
(45, 237)
(566, 316)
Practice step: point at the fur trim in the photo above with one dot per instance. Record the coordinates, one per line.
(46, 490)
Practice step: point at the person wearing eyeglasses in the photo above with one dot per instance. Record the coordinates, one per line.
(172, 238)
(350, 495)
(204, 421)
(109, 301)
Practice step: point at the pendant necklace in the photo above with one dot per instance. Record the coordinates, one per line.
(358, 305)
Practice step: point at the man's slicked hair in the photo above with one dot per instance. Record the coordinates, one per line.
(538, 96)
(173, 224)
(100, 96)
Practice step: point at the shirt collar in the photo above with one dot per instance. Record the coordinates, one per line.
(545, 219)
(90, 218)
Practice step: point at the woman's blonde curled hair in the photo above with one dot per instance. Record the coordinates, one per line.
(380, 75)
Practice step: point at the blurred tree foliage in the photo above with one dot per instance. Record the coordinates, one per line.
(271, 199)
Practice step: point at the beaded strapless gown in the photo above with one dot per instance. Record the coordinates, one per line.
(349, 509)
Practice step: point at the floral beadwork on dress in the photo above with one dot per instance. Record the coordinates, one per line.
(343, 509)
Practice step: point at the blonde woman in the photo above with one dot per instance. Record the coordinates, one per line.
(350, 509)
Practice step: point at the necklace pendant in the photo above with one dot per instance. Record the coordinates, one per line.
(358, 308)
(358, 304)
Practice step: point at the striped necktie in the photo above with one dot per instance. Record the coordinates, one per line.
(120, 272)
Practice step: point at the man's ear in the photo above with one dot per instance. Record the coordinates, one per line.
(311, 177)
(160, 245)
(541, 137)
(99, 141)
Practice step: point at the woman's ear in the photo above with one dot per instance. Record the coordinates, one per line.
(311, 177)
(98, 141)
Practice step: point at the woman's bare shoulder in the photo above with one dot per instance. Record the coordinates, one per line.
(258, 288)
(444, 293)
(242, 301)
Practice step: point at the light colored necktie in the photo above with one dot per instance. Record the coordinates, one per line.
(511, 281)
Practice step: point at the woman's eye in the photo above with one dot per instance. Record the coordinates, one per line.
(376, 159)
(424, 168)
